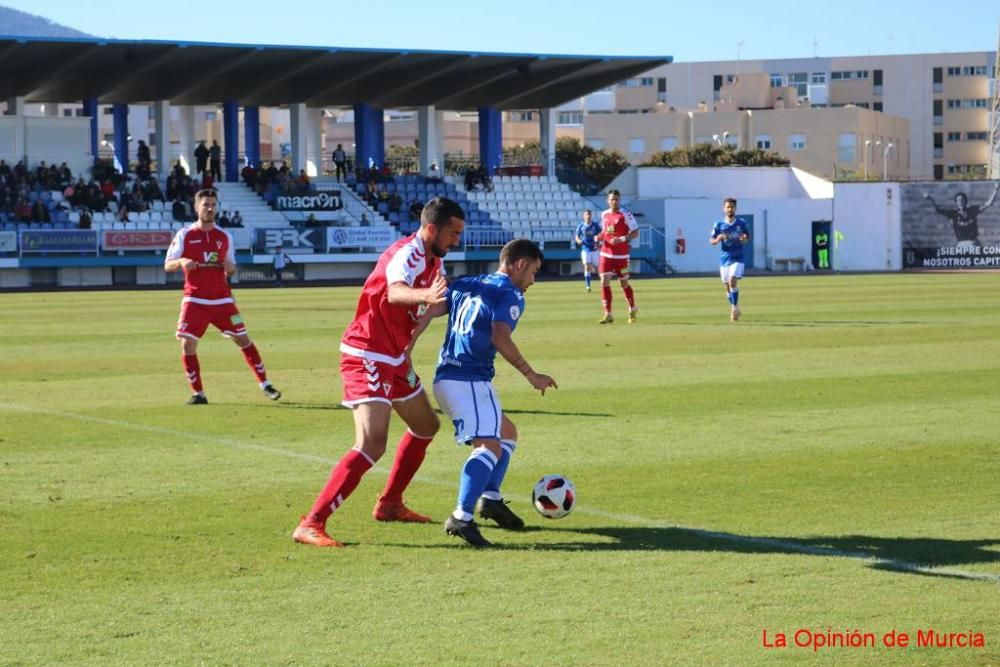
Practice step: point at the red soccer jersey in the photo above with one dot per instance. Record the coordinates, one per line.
(616, 224)
(381, 331)
(207, 284)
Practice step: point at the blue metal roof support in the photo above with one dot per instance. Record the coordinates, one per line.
(490, 139)
(231, 139)
(90, 109)
(251, 135)
(369, 136)
(119, 115)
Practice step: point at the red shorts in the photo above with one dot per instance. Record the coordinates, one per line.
(195, 318)
(618, 267)
(366, 381)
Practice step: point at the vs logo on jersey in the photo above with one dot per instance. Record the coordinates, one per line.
(211, 257)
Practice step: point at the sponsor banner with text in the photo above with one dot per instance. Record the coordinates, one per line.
(152, 239)
(951, 225)
(292, 241)
(58, 240)
(320, 201)
(360, 237)
(8, 241)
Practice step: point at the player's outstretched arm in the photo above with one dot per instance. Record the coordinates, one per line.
(401, 294)
(502, 341)
(992, 198)
(184, 263)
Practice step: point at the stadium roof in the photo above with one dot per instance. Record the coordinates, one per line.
(121, 71)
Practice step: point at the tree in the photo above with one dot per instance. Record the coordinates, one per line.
(714, 155)
(600, 166)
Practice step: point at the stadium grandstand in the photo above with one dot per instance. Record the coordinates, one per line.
(68, 217)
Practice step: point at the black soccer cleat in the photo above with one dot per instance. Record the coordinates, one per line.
(271, 392)
(499, 511)
(198, 399)
(467, 530)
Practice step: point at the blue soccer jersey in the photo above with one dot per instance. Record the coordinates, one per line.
(475, 303)
(587, 234)
(732, 248)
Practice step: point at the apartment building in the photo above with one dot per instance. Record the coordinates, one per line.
(945, 97)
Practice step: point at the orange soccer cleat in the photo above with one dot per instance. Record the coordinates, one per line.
(396, 510)
(309, 533)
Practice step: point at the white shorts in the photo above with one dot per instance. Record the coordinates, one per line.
(473, 407)
(590, 257)
(729, 271)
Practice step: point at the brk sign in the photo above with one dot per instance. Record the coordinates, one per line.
(292, 241)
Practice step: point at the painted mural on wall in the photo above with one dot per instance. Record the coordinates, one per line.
(951, 225)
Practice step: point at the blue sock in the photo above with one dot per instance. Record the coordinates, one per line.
(729, 297)
(475, 475)
(586, 277)
(734, 297)
(492, 491)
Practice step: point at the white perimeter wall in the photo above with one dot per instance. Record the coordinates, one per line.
(784, 203)
(868, 217)
(782, 228)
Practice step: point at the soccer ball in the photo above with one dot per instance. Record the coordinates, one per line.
(553, 496)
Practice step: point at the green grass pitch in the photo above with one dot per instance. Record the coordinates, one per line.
(829, 464)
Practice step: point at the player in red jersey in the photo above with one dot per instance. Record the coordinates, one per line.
(618, 229)
(378, 376)
(205, 253)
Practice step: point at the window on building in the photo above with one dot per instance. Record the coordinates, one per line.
(777, 81)
(876, 106)
(733, 140)
(109, 110)
(817, 78)
(717, 82)
(596, 144)
(797, 142)
(937, 78)
(68, 112)
(952, 136)
(646, 81)
(877, 78)
(521, 116)
(938, 111)
(800, 80)
(570, 118)
(636, 145)
(938, 172)
(847, 147)
(210, 116)
(977, 136)
(763, 141)
(668, 143)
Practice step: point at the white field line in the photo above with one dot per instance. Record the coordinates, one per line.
(780, 545)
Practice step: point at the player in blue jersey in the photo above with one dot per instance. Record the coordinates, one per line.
(732, 234)
(586, 237)
(482, 314)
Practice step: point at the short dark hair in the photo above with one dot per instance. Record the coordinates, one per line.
(614, 192)
(729, 199)
(520, 249)
(206, 192)
(439, 211)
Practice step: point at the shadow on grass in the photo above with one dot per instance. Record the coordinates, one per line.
(919, 556)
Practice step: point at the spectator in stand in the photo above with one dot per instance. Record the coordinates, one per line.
(39, 212)
(395, 203)
(65, 175)
(69, 192)
(340, 163)
(179, 171)
(85, 219)
(224, 220)
(144, 159)
(215, 161)
(108, 192)
(365, 222)
(311, 221)
(434, 174)
(249, 175)
(179, 211)
(151, 190)
(302, 181)
(470, 178)
(416, 208)
(207, 182)
(22, 211)
(236, 220)
(201, 158)
(123, 213)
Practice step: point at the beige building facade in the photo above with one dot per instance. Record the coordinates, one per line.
(946, 97)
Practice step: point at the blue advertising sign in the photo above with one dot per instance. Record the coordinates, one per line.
(290, 240)
(58, 240)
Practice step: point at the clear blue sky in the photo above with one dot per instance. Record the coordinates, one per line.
(689, 30)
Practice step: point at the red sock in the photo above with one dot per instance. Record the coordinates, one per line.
(254, 361)
(629, 296)
(409, 455)
(344, 478)
(606, 298)
(193, 370)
